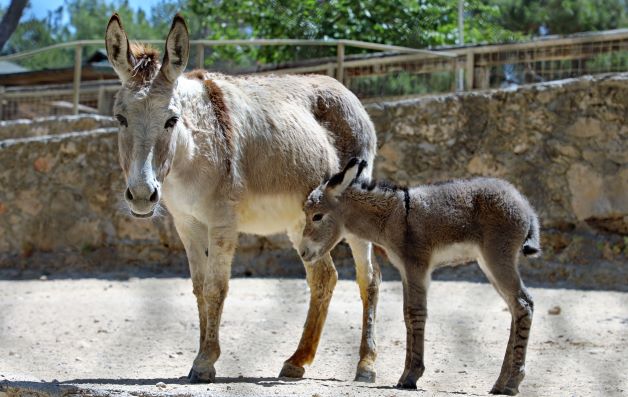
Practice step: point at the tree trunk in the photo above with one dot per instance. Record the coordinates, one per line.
(10, 20)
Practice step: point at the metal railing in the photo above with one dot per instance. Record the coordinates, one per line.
(387, 71)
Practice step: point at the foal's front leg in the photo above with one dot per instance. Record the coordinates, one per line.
(222, 244)
(415, 285)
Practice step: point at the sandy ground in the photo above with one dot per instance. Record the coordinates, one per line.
(101, 337)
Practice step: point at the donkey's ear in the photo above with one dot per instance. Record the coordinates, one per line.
(118, 49)
(342, 180)
(177, 49)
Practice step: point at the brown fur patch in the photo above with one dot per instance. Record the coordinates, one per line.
(217, 99)
(145, 62)
(198, 74)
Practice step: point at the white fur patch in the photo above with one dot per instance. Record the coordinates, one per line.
(455, 254)
(269, 214)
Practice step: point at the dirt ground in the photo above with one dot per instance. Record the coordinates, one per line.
(102, 337)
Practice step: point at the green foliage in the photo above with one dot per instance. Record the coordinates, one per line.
(409, 23)
(562, 16)
(87, 20)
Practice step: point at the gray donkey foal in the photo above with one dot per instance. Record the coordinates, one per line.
(420, 228)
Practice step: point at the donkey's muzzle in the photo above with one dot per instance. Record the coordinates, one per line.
(142, 199)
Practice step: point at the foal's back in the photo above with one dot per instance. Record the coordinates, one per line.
(469, 211)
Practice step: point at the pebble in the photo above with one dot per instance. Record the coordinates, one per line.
(554, 311)
(161, 385)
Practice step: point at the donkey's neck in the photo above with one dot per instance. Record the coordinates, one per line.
(369, 214)
(196, 139)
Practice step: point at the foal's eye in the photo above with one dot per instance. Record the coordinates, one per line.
(317, 217)
(171, 122)
(122, 120)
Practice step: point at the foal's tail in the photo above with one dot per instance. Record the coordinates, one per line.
(532, 244)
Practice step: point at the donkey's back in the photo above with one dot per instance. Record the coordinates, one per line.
(304, 125)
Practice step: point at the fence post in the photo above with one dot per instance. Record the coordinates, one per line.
(2, 115)
(340, 56)
(470, 70)
(200, 49)
(76, 87)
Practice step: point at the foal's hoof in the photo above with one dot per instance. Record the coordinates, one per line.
(290, 370)
(202, 377)
(365, 375)
(505, 390)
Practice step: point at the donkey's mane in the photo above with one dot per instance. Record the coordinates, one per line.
(146, 63)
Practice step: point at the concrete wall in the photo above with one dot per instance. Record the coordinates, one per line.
(564, 144)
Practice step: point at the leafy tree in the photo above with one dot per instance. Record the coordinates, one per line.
(87, 20)
(401, 22)
(562, 16)
(10, 20)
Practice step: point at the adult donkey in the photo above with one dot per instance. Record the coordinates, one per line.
(229, 155)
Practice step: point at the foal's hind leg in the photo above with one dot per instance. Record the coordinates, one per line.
(368, 277)
(415, 285)
(502, 271)
(321, 278)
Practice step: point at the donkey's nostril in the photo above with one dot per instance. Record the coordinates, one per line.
(128, 194)
(154, 197)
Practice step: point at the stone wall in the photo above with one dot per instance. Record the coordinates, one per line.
(564, 144)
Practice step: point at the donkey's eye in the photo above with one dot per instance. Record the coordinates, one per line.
(122, 120)
(317, 217)
(171, 122)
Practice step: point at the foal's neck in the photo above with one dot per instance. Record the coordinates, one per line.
(370, 213)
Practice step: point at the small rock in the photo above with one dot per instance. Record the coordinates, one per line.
(77, 359)
(161, 385)
(43, 277)
(554, 311)
(520, 148)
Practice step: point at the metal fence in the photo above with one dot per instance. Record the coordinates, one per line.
(383, 72)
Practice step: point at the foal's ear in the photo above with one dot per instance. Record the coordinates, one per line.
(177, 49)
(118, 49)
(342, 180)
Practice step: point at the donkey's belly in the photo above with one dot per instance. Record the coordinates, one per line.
(269, 214)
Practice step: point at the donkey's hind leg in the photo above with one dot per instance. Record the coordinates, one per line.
(321, 278)
(368, 277)
(501, 269)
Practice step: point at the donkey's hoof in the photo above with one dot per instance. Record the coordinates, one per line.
(365, 375)
(201, 377)
(507, 391)
(406, 384)
(290, 370)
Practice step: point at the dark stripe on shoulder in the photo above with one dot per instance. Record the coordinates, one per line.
(406, 199)
(217, 99)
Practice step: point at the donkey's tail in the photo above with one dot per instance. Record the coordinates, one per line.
(532, 244)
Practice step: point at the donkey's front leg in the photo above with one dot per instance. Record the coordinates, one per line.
(321, 278)
(415, 315)
(368, 276)
(194, 236)
(222, 244)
